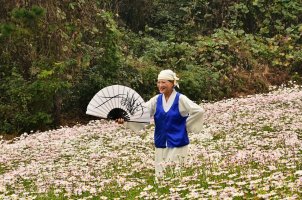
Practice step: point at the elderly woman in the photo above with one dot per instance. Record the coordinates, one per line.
(174, 116)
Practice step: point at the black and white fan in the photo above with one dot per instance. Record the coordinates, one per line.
(118, 101)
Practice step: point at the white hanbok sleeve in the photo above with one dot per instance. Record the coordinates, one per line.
(151, 106)
(194, 112)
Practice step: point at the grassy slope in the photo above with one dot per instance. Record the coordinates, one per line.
(250, 148)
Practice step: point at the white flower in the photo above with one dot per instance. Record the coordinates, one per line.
(299, 173)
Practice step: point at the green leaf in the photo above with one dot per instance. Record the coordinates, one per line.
(45, 73)
(300, 28)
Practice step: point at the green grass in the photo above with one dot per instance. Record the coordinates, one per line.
(219, 135)
(3, 168)
(268, 128)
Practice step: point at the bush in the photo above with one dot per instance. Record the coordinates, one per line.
(201, 84)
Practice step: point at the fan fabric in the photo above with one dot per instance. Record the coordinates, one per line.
(118, 101)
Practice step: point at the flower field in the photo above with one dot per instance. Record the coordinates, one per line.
(250, 148)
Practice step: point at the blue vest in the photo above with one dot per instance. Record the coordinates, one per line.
(170, 127)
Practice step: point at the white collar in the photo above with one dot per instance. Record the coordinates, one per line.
(167, 104)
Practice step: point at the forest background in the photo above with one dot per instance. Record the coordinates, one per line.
(55, 55)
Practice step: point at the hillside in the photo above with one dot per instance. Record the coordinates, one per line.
(56, 55)
(250, 148)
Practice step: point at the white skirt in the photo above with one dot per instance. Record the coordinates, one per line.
(174, 157)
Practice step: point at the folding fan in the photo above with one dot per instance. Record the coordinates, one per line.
(118, 101)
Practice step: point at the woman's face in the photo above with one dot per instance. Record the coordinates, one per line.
(165, 87)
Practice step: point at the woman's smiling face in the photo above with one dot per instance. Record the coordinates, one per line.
(165, 87)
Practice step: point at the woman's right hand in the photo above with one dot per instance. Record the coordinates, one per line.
(120, 121)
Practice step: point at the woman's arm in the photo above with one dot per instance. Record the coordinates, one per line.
(194, 112)
(151, 106)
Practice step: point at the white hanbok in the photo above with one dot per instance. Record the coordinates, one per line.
(176, 156)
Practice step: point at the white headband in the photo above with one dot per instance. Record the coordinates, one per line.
(168, 75)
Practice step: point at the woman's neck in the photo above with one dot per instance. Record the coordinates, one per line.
(167, 95)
